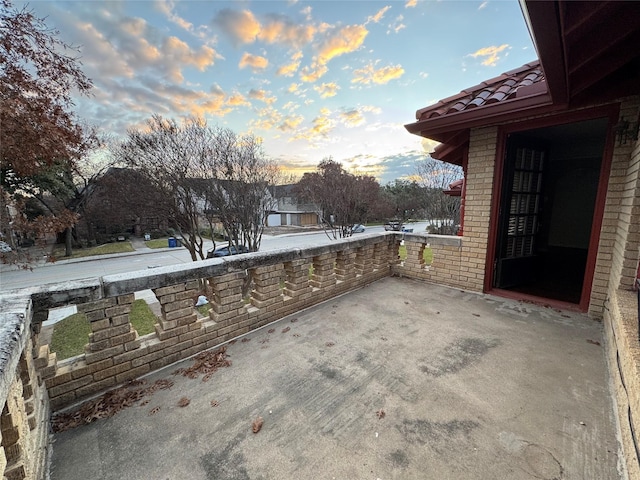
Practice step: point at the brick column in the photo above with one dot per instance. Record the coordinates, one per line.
(267, 286)
(177, 309)
(111, 330)
(227, 306)
(379, 257)
(323, 271)
(414, 262)
(345, 265)
(297, 283)
(364, 260)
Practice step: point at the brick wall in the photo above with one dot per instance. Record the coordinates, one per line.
(477, 209)
(618, 256)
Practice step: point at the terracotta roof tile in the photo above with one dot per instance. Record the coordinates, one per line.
(501, 88)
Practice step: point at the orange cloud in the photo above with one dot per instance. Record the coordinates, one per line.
(241, 26)
(327, 90)
(290, 123)
(293, 88)
(352, 118)
(285, 32)
(411, 3)
(381, 76)
(261, 95)
(344, 40)
(238, 100)
(289, 69)
(379, 15)
(255, 62)
(489, 55)
(313, 73)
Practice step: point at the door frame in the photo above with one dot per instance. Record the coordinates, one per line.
(612, 112)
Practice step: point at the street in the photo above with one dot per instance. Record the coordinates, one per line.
(96, 267)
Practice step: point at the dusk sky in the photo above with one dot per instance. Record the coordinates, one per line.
(311, 78)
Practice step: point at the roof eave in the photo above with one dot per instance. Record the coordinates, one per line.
(440, 127)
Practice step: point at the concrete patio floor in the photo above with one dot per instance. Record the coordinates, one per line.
(472, 387)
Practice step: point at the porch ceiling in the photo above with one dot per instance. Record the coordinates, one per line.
(470, 387)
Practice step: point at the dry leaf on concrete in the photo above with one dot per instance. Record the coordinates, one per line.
(257, 424)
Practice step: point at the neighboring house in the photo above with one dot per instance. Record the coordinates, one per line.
(289, 210)
(551, 195)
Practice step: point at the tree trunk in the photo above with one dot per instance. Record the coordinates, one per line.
(68, 237)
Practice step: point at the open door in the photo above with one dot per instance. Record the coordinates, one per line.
(545, 243)
(521, 205)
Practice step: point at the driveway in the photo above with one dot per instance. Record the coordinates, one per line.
(399, 380)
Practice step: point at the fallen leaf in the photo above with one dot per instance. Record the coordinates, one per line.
(381, 414)
(183, 402)
(285, 330)
(154, 410)
(245, 340)
(329, 344)
(294, 320)
(257, 424)
(593, 342)
(214, 403)
(271, 330)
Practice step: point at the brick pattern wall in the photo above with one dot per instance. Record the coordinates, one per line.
(620, 234)
(114, 354)
(24, 429)
(477, 207)
(618, 256)
(446, 266)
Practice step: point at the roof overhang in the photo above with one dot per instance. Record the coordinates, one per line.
(588, 54)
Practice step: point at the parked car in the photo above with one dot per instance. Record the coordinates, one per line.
(226, 251)
(4, 247)
(357, 228)
(393, 225)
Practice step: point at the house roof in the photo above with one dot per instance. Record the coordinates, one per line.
(526, 80)
(588, 54)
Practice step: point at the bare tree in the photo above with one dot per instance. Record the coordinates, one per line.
(238, 194)
(441, 209)
(206, 174)
(168, 154)
(342, 199)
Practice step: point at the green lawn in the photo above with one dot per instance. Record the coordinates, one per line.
(427, 254)
(71, 334)
(157, 243)
(118, 247)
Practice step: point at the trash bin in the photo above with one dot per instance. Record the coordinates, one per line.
(147, 237)
(172, 242)
(178, 242)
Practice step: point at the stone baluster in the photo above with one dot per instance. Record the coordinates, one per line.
(345, 265)
(111, 331)
(267, 291)
(323, 271)
(177, 309)
(228, 310)
(297, 282)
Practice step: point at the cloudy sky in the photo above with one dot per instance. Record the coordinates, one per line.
(311, 78)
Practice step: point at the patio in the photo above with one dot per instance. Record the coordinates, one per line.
(400, 379)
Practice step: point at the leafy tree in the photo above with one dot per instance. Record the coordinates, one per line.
(342, 199)
(442, 210)
(38, 74)
(404, 199)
